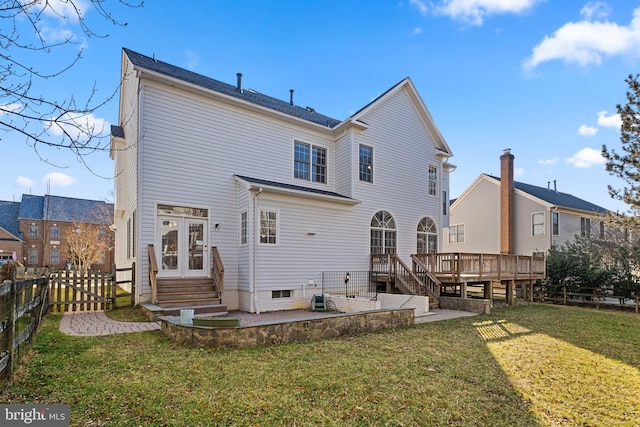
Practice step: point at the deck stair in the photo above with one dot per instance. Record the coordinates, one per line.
(199, 294)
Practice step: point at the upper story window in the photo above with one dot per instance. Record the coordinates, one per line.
(366, 163)
(433, 180)
(556, 221)
(427, 236)
(310, 162)
(585, 227)
(55, 232)
(456, 233)
(537, 224)
(444, 203)
(33, 231)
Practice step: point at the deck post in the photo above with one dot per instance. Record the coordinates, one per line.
(510, 291)
(463, 289)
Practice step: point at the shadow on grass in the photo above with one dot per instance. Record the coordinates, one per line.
(572, 366)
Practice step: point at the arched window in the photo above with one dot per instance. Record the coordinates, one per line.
(383, 233)
(427, 236)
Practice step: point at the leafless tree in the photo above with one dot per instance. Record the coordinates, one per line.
(27, 45)
(86, 245)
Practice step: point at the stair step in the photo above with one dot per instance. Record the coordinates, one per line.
(186, 300)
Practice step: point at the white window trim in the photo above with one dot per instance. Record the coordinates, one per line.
(310, 163)
(544, 224)
(277, 243)
(456, 226)
(429, 181)
(245, 212)
(373, 160)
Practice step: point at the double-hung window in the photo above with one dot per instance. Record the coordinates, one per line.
(585, 227)
(537, 224)
(433, 180)
(310, 162)
(244, 227)
(268, 227)
(456, 233)
(366, 163)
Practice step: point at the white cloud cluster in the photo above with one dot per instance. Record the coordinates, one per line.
(585, 130)
(474, 11)
(589, 40)
(604, 120)
(77, 125)
(24, 182)
(58, 178)
(586, 158)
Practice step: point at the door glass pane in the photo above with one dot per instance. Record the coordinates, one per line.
(169, 244)
(196, 246)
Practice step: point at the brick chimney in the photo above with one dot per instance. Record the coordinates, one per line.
(507, 211)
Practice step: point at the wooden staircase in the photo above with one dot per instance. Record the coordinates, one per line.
(202, 294)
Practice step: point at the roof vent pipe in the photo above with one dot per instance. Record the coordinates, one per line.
(239, 85)
(555, 187)
(291, 96)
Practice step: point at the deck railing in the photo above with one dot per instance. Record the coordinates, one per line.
(153, 274)
(217, 271)
(457, 267)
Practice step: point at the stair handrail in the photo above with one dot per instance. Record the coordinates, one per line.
(401, 270)
(217, 271)
(432, 285)
(153, 273)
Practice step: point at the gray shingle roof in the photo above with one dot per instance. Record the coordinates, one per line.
(9, 217)
(557, 198)
(265, 182)
(247, 95)
(65, 209)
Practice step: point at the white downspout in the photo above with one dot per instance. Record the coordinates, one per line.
(256, 218)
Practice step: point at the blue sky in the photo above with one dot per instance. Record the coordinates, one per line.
(541, 77)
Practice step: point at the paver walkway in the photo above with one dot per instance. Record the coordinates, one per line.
(94, 323)
(91, 323)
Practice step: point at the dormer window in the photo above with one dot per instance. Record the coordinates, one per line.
(310, 162)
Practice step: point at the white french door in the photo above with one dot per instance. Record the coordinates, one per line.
(184, 249)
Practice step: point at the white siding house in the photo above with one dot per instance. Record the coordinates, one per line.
(283, 192)
(542, 217)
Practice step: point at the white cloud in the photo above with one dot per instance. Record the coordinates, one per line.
(548, 162)
(417, 30)
(10, 108)
(587, 42)
(77, 125)
(585, 130)
(518, 172)
(65, 9)
(586, 158)
(420, 5)
(24, 182)
(595, 9)
(59, 179)
(613, 120)
(474, 11)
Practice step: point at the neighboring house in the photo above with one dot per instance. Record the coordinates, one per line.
(45, 223)
(500, 215)
(10, 236)
(280, 192)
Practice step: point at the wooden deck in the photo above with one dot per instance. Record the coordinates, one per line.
(472, 267)
(454, 273)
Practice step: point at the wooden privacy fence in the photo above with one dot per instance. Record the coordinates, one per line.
(22, 305)
(593, 297)
(74, 291)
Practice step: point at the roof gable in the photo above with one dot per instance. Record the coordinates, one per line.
(407, 85)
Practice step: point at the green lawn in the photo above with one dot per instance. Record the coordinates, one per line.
(532, 365)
